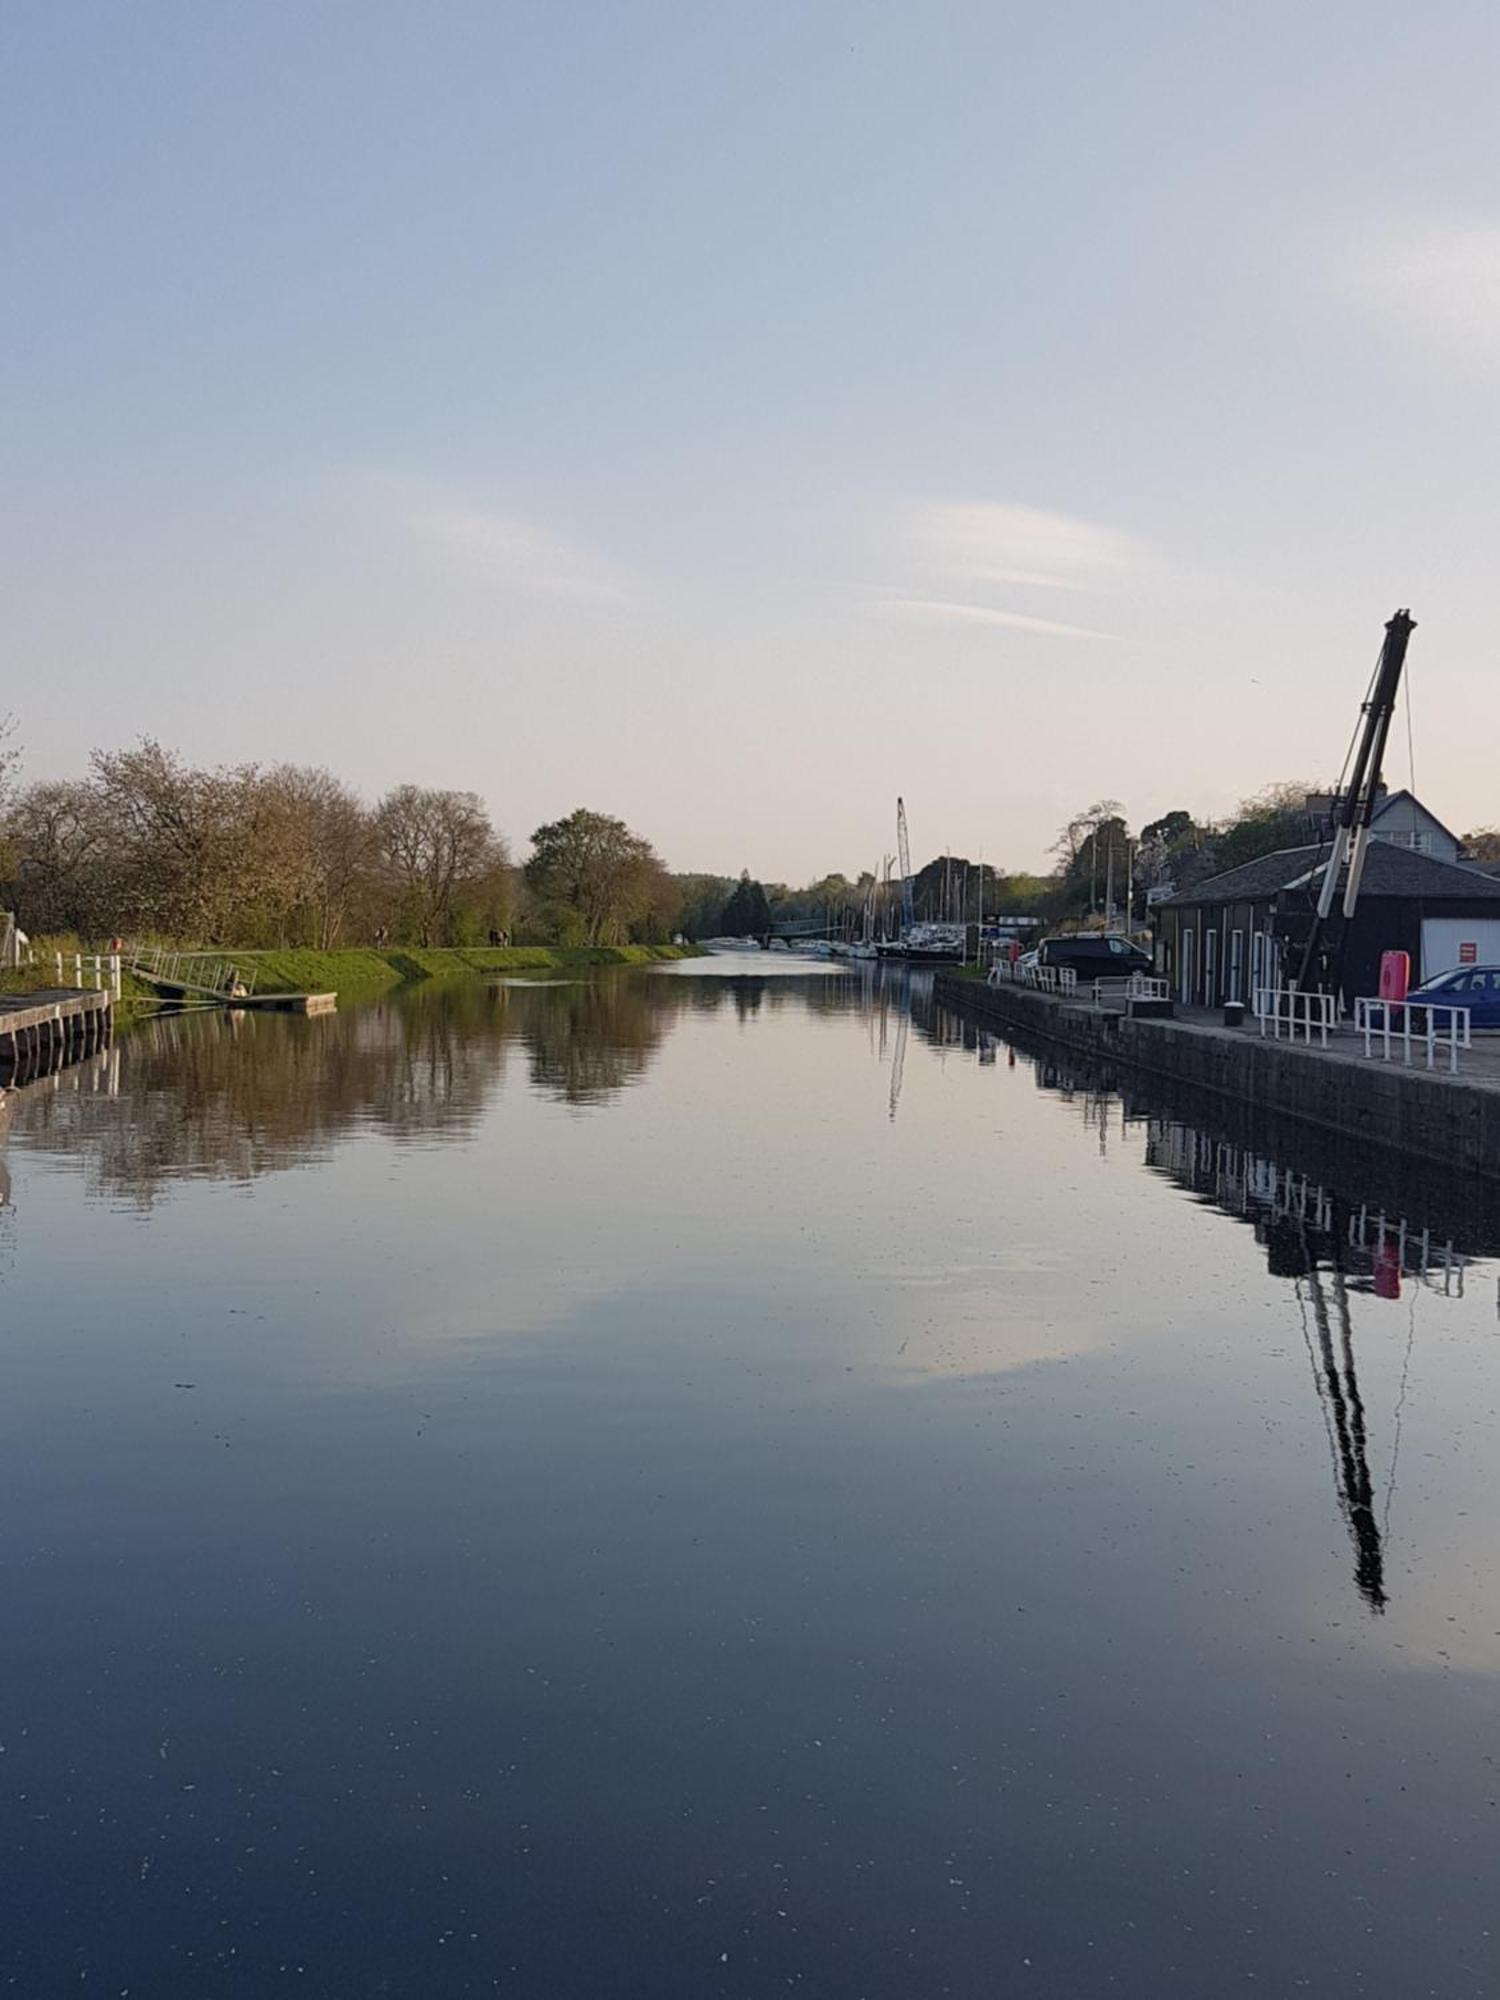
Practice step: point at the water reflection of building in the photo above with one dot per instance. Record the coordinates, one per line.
(1372, 1250)
(1331, 1248)
(1335, 1220)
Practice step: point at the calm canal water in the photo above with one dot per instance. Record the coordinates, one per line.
(717, 1482)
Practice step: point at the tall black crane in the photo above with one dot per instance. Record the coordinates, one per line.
(1355, 803)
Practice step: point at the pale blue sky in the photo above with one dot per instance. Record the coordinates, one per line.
(730, 416)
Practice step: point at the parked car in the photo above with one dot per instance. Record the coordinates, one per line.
(1476, 987)
(1094, 955)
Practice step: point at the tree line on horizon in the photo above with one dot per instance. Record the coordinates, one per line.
(251, 856)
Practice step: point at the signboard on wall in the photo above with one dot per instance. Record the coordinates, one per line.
(1448, 942)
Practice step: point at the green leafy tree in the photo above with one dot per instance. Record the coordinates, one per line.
(948, 890)
(592, 879)
(1171, 830)
(1093, 850)
(701, 902)
(1272, 819)
(747, 913)
(1172, 851)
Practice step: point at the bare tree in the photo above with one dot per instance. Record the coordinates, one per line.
(63, 860)
(182, 838)
(1072, 838)
(331, 844)
(434, 845)
(10, 757)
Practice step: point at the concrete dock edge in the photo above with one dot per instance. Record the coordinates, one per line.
(1424, 1114)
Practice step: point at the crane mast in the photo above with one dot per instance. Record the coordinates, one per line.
(903, 849)
(1355, 806)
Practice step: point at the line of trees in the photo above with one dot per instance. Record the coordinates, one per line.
(287, 854)
(249, 855)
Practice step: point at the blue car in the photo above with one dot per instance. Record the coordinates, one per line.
(1476, 987)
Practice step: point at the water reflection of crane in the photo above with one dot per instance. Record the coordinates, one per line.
(1330, 1249)
(893, 993)
(1337, 1383)
(898, 1060)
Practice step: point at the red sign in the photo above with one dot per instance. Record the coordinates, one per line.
(1468, 954)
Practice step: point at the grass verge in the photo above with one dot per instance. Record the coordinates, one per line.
(368, 970)
(363, 973)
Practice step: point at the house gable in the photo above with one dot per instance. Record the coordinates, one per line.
(1403, 821)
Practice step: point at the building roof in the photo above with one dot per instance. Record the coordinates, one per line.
(1389, 871)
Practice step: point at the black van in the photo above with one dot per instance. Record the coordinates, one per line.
(1094, 955)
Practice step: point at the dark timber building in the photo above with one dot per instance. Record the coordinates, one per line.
(1243, 931)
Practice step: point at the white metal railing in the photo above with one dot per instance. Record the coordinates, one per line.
(1387, 1028)
(1122, 989)
(193, 971)
(97, 971)
(1283, 1009)
(1061, 979)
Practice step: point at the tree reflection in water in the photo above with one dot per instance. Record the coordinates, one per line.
(230, 1096)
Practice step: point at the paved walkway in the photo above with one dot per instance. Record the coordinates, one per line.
(1479, 1065)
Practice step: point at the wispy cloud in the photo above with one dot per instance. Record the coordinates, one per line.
(984, 614)
(991, 543)
(508, 549)
(959, 556)
(1433, 281)
(520, 556)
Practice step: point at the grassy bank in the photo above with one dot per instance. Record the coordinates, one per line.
(364, 973)
(370, 969)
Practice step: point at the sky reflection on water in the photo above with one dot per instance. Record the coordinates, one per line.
(694, 1484)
